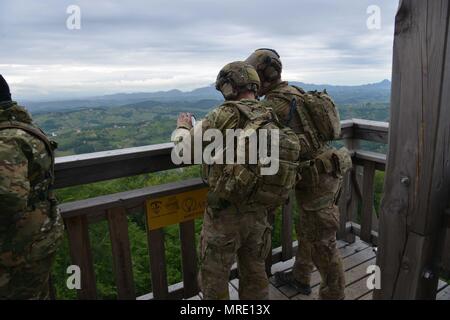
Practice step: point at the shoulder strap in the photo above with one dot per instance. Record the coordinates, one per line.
(298, 89)
(29, 129)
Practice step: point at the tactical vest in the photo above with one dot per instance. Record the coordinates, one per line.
(243, 183)
(40, 190)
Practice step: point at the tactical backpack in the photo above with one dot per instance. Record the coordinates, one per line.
(243, 183)
(323, 114)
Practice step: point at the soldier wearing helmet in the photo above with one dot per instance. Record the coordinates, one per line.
(230, 230)
(30, 226)
(317, 192)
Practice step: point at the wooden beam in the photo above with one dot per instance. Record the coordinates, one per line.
(418, 171)
(100, 166)
(362, 156)
(127, 199)
(368, 130)
(346, 129)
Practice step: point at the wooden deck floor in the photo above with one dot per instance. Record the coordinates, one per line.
(356, 258)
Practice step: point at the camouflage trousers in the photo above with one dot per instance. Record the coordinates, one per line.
(26, 281)
(316, 232)
(228, 234)
(27, 251)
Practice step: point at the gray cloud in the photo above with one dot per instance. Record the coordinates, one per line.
(152, 45)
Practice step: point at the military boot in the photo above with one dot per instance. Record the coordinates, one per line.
(283, 278)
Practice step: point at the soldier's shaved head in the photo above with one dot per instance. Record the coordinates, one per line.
(5, 94)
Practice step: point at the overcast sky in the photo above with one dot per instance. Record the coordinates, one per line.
(137, 45)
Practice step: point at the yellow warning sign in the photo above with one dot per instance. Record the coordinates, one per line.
(176, 208)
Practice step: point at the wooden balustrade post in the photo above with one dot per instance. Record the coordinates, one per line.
(367, 202)
(286, 228)
(81, 254)
(120, 243)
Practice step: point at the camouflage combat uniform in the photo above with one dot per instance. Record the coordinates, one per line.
(30, 227)
(317, 195)
(231, 231)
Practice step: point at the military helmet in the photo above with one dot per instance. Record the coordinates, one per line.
(267, 63)
(5, 94)
(237, 77)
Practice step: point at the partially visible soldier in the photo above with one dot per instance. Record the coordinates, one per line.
(314, 118)
(233, 228)
(30, 226)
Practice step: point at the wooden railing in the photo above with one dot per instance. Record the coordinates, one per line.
(358, 192)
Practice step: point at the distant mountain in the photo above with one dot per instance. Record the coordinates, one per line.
(374, 92)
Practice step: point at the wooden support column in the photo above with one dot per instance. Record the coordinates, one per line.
(418, 169)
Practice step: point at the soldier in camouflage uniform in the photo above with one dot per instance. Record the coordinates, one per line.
(30, 227)
(230, 230)
(316, 193)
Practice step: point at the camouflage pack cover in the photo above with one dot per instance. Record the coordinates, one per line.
(243, 183)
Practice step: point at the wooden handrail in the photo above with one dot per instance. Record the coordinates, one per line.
(99, 166)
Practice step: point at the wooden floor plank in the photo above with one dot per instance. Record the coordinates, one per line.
(275, 294)
(358, 272)
(444, 294)
(367, 296)
(351, 276)
(345, 250)
(349, 263)
(288, 264)
(441, 285)
(234, 294)
(356, 258)
(357, 289)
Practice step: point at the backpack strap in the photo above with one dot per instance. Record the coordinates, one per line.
(299, 89)
(292, 109)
